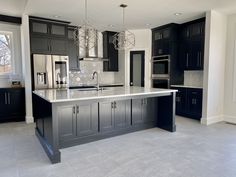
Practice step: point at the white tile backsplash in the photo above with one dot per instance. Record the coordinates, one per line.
(193, 78)
(84, 76)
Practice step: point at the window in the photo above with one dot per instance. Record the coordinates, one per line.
(6, 53)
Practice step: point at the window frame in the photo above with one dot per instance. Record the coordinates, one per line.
(11, 34)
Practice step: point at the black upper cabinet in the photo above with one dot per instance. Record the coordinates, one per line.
(47, 28)
(163, 38)
(191, 51)
(110, 54)
(193, 30)
(73, 50)
(48, 37)
(44, 45)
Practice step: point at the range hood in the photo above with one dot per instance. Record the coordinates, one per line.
(89, 52)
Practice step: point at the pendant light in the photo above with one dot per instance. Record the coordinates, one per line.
(86, 36)
(124, 39)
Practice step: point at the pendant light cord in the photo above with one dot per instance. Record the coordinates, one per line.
(86, 10)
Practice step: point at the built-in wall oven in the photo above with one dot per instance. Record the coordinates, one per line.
(161, 71)
(161, 66)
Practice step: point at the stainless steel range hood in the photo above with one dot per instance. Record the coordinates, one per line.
(89, 52)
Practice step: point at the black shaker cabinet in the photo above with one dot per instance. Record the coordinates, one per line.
(114, 115)
(144, 111)
(189, 102)
(191, 50)
(77, 121)
(12, 103)
(110, 54)
(48, 37)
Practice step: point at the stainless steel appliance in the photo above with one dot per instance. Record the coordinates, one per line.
(50, 71)
(161, 66)
(161, 83)
(161, 71)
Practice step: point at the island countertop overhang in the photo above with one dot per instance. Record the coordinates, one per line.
(67, 95)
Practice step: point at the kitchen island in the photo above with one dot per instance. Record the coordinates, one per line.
(68, 117)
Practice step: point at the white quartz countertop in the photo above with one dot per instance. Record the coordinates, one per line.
(64, 95)
(187, 86)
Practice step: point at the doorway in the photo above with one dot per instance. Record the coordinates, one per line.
(137, 66)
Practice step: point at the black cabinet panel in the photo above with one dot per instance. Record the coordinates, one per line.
(58, 30)
(12, 103)
(67, 122)
(109, 52)
(40, 45)
(38, 27)
(3, 103)
(122, 114)
(107, 122)
(189, 102)
(195, 102)
(87, 119)
(181, 101)
(144, 111)
(191, 53)
(58, 46)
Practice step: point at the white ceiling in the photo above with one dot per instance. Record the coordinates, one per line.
(105, 12)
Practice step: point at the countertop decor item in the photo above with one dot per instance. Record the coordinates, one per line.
(124, 39)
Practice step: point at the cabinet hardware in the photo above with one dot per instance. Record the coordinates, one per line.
(197, 58)
(200, 59)
(9, 98)
(114, 104)
(73, 109)
(187, 60)
(5, 98)
(77, 109)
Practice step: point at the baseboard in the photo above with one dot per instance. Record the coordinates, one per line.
(212, 120)
(29, 119)
(230, 119)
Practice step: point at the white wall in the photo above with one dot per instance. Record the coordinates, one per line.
(25, 42)
(17, 59)
(230, 72)
(214, 67)
(143, 38)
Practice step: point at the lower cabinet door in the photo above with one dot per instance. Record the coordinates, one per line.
(87, 119)
(122, 114)
(67, 122)
(107, 122)
(137, 117)
(195, 103)
(150, 110)
(3, 104)
(16, 102)
(181, 101)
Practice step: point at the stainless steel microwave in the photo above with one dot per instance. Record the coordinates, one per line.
(161, 66)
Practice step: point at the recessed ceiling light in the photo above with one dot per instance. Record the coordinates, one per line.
(178, 14)
(111, 26)
(148, 24)
(57, 16)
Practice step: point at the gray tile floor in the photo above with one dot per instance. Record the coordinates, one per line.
(193, 151)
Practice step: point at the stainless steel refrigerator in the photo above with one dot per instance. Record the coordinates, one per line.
(50, 71)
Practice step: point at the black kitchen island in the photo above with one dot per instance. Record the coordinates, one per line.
(66, 117)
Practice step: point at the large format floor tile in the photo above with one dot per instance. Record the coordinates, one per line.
(194, 150)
